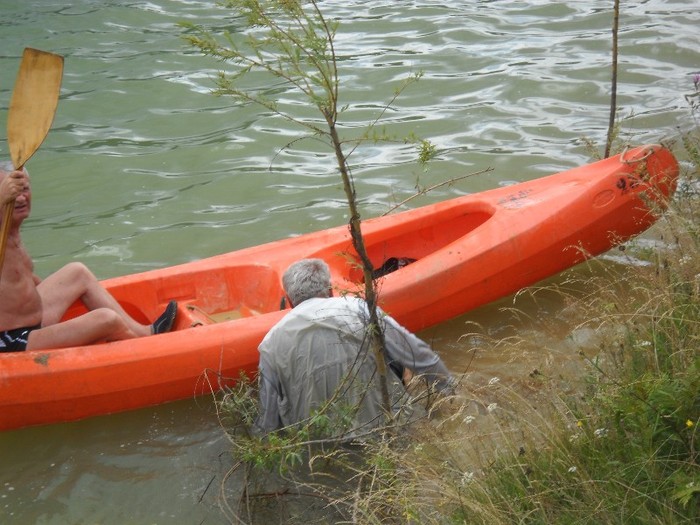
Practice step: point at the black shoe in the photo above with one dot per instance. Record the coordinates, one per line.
(167, 319)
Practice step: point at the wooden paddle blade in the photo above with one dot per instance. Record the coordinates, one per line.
(33, 104)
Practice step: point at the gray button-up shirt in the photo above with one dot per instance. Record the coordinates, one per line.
(319, 353)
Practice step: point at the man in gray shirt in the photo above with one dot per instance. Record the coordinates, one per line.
(318, 359)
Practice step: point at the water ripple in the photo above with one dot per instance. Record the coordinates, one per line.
(510, 84)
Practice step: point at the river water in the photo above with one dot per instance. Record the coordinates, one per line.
(144, 168)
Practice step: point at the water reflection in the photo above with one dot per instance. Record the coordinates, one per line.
(161, 465)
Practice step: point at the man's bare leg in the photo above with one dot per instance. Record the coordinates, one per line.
(75, 281)
(93, 327)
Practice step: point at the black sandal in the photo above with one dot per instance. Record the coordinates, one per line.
(167, 319)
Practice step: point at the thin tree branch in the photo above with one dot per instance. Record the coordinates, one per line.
(433, 187)
(613, 96)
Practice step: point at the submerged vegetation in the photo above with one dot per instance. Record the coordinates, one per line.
(617, 442)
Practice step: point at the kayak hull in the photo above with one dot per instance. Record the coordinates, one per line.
(468, 251)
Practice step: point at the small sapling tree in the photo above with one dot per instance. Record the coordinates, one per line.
(292, 43)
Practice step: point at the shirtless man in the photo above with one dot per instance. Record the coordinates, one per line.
(31, 309)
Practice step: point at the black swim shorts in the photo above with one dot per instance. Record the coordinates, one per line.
(15, 340)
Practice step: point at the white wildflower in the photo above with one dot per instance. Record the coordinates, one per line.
(600, 432)
(572, 470)
(494, 380)
(492, 407)
(467, 478)
(468, 419)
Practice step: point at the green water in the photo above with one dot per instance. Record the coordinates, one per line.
(144, 168)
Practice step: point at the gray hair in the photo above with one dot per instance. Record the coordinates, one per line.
(306, 279)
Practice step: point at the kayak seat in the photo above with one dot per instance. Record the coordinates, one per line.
(194, 316)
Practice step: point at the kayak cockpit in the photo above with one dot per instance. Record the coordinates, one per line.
(405, 242)
(204, 296)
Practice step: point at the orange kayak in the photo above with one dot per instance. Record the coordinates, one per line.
(463, 253)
